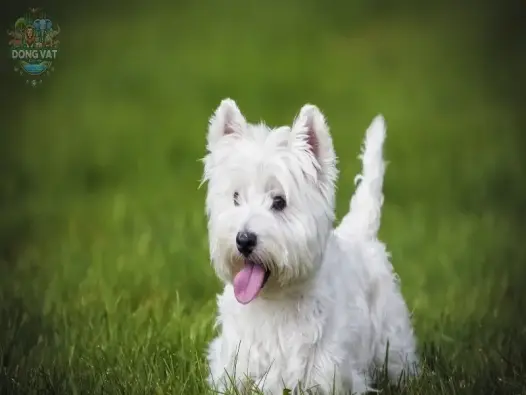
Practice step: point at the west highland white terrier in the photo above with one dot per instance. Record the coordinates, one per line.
(305, 306)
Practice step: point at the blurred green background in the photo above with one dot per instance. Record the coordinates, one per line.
(105, 282)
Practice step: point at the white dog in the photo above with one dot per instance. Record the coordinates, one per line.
(305, 306)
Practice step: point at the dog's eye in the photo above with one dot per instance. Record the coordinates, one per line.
(278, 203)
(236, 196)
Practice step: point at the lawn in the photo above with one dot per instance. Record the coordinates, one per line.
(105, 281)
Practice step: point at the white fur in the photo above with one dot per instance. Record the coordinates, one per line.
(332, 309)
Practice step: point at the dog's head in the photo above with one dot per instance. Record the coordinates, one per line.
(270, 200)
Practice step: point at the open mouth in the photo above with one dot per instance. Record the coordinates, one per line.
(250, 281)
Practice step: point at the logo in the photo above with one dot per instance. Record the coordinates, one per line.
(34, 46)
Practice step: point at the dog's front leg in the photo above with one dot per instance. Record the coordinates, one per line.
(222, 370)
(323, 377)
(224, 373)
(330, 383)
(328, 376)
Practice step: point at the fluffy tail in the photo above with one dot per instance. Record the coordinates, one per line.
(363, 219)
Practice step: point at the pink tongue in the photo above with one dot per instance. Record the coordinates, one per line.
(248, 282)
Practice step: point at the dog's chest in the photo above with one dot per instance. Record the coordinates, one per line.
(274, 346)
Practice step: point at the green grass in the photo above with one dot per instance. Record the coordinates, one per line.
(106, 286)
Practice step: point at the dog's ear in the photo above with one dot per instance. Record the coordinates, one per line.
(310, 132)
(226, 120)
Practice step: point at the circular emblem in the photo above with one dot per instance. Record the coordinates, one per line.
(34, 45)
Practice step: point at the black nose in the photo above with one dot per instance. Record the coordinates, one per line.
(246, 241)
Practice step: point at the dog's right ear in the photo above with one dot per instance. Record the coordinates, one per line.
(226, 120)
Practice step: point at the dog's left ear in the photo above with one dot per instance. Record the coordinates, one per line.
(226, 120)
(310, 133)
